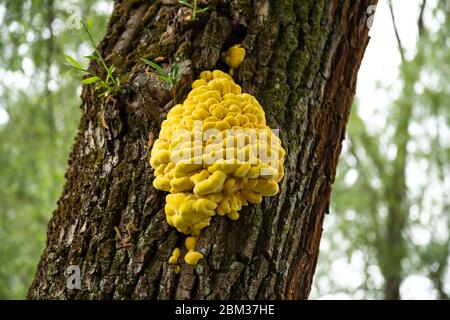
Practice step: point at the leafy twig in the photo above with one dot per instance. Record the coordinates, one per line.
(195, 10)
(110, 84)
(170, 77)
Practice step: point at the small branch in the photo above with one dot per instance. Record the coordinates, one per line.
(420, 23)
(49, 60)
(397, 35)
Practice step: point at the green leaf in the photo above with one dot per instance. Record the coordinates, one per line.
(74, 63)
(102, 84)
(109, 73)
(175, 71)
(202, 10)
(187, 4)
(91, 80)
(111, 69)
(89, 22)
(164, 78)
(155, 66)
(91, 57)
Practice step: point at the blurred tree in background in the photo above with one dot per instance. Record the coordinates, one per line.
(41, 106)
(391, 208)
(390, 211)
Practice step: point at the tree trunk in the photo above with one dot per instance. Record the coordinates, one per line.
(301, 64)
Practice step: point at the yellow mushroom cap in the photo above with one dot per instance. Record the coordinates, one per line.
(175, 255)
(192, 257)
(190, 243)
(234, 56)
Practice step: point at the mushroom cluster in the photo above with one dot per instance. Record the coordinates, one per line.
(214, 155)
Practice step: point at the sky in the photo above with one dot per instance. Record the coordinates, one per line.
(382, 58)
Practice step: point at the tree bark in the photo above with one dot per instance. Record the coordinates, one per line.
(301, 64)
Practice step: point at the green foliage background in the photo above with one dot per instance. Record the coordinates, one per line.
(36, 140)
(374, 216)
(390, 216)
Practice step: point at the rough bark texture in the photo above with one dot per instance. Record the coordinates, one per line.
(301, 64)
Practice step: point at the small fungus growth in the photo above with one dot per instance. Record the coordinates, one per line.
(233, 57)
(174, 259)
(215, 154)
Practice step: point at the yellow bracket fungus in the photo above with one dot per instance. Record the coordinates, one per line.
(175, 255)
(215, 154)
(174, 259)
(192, 257)
(233, 57)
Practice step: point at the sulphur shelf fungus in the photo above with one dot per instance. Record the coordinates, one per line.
(215, 154)
(233, 57)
